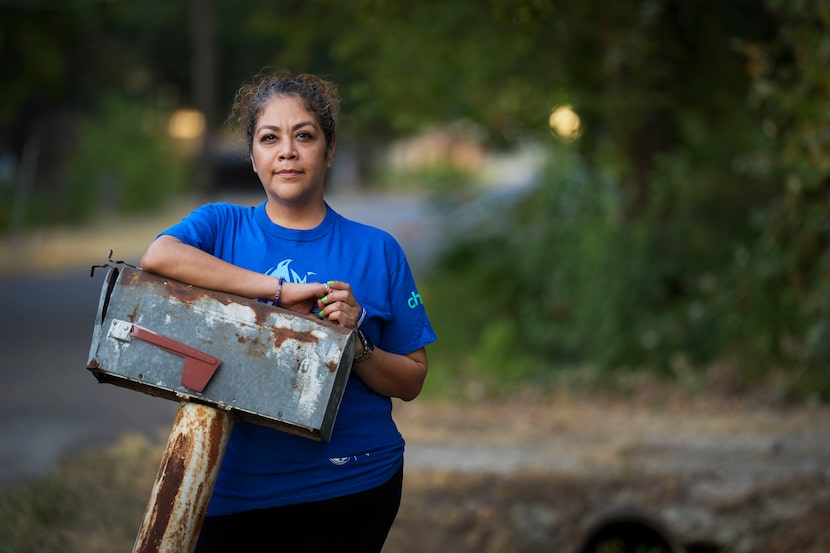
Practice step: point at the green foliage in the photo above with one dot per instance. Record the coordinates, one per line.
(566, 282)
(38, 67)
(692, 224)
(780, 281)
(123, 162)
(427, 61)
(688, 223)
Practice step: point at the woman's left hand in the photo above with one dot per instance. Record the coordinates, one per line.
(338, 304)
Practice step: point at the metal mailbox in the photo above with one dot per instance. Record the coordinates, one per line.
(263, 363)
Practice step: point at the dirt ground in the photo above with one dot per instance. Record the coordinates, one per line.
(535, 474)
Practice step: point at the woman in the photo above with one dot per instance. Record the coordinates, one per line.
(276, 491)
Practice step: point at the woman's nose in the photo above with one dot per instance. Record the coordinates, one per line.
(287, 150)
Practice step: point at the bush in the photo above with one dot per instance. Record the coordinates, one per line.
(565, 278)
(124, 162)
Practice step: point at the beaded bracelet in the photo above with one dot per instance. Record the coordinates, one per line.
(278, 292)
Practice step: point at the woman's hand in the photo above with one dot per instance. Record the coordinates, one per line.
(338, 304)
(300, 297)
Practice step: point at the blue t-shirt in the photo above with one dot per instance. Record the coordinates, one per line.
(263, 467)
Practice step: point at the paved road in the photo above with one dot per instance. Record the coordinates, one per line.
(52, 406)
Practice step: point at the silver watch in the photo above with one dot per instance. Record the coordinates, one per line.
(368, 348)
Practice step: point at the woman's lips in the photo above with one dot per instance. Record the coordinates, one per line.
(288, 173)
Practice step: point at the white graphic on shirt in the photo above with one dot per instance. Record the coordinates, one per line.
(340, 461)
(284, 270)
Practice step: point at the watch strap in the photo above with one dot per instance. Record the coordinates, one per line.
(368, 348)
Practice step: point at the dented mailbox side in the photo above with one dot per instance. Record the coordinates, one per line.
(273, 367)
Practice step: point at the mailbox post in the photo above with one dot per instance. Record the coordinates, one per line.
(185, 480)
(224, 358)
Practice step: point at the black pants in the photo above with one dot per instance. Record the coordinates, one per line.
(357, 523)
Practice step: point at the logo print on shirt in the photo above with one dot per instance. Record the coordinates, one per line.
(340, 461)
(414, 300)
(284, 270)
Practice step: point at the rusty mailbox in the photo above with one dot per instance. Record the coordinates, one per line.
(262, 363)
(223, 357)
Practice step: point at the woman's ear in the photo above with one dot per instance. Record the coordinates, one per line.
(253, 163)
(330, 154)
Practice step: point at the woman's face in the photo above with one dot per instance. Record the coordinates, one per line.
(289, 152)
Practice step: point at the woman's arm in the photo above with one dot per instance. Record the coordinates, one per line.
(391, 374)
(386, 373)
(170, 257)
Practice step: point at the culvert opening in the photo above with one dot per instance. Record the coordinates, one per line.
(635, 535)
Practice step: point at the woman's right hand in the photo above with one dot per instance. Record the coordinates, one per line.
(301, 297)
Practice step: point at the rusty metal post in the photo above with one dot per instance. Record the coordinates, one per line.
(185, 480)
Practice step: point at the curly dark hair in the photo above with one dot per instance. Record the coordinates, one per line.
(321, 98)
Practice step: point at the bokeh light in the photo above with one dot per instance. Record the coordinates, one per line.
(186, 124)
(565, 122)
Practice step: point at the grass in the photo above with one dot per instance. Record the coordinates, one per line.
(93, 502)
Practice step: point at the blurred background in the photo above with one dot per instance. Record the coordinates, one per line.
(593, 194)
(666, 207)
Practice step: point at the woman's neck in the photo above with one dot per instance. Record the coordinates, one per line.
(295, 217)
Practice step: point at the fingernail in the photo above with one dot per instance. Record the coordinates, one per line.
(331, 283)
(324, 299)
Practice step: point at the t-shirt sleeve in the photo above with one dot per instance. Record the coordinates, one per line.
(409, 328)
(200, 228)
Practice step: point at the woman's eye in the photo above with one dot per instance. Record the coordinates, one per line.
(304, 135)
(268, 138)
